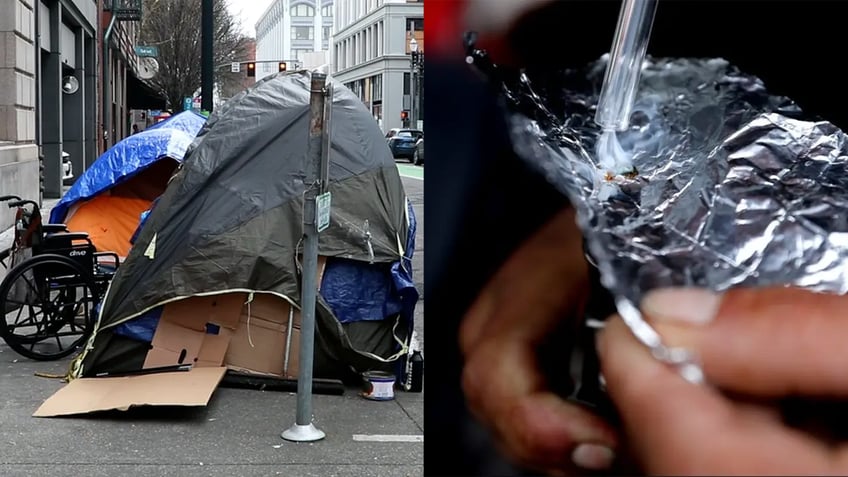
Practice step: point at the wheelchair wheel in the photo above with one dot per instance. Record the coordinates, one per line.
(49, 304)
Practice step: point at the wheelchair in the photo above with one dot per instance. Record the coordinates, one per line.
(53, 286)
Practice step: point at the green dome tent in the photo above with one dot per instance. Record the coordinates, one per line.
(229, 224)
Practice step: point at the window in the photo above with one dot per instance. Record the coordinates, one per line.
(302, 10)
(327, 32)
(377, 84)
(327, 11)
(303, 33)
(416, 24)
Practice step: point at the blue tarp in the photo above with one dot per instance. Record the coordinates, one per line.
(169, 138)
(358, 291)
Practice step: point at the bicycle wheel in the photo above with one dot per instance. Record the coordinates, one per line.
(48, 303)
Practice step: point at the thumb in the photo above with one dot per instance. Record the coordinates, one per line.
(678, 428)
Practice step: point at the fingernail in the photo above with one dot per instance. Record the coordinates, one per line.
(687, 305)
(592, 456)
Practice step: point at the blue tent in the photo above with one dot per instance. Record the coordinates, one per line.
(109, 198)
(166, 139)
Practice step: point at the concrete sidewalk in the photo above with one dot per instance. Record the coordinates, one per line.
(237, 434)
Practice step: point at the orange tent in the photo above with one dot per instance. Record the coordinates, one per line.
(112, 217)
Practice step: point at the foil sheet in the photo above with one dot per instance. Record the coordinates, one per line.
(732, 186)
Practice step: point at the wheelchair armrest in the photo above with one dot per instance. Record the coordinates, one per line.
(53, 228)
(66, 236)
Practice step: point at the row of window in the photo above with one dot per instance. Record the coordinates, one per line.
(304, 10)
(308, 33)
(368, 90)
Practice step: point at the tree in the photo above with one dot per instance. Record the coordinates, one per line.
(174, 26)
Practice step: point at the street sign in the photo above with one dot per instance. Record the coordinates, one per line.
(186, 103)
(322, 203)
(127, 10)
(147, 51)
(235, 67)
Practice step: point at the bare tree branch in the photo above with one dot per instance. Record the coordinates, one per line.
(175, 27)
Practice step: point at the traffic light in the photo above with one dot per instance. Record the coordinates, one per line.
(282, 66)
(404, 115)
(251, 69)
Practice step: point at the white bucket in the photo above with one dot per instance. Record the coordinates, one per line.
(379, 386)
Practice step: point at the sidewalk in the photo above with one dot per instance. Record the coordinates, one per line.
(237, 434)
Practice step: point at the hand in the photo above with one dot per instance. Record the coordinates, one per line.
(529, 296)
(758, 346)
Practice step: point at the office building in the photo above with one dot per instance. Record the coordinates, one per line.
(371, 55)
(290, 30)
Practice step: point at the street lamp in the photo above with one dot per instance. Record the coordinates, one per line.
(413, 49)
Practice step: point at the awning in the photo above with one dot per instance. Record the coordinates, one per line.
(141, 95)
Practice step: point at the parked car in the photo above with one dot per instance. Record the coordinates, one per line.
(67, 168)
(403, 143)
(418, 155)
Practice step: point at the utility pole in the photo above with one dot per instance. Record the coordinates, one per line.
(316, 213)
(207, 71)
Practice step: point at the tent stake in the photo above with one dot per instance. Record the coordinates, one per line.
(303, 430)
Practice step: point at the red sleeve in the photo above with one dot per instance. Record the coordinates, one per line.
(443, 27)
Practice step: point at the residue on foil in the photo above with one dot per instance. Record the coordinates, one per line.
(735, 187)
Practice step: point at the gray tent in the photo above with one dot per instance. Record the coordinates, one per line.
(230, 220)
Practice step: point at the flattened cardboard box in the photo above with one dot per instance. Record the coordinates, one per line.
(195, 331)
(262, 347)
(200, 331)
(80, 396)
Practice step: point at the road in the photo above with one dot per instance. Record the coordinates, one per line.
(238, 433)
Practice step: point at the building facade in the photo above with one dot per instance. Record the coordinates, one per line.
(18, 147)
(51, 92)
(46, 43)
(291, 29)
(371, 56)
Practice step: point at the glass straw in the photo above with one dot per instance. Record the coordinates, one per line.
(625, 64)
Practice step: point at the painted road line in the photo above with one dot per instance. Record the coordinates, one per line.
(411, 172)
(388, 438)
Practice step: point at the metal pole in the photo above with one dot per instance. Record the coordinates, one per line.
(303, 430)
(207, 70)
(412, 90)
(107, 89)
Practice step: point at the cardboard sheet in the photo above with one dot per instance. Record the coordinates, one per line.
(211, 333)
(195, 331)
(183, 388)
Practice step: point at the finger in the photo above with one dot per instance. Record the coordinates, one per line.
(538, 284)
(769, 342)
(537, 428)
(678, 428)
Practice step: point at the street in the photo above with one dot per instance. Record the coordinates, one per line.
(238, 433)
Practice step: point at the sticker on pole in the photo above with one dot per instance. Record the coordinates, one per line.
(323, 212)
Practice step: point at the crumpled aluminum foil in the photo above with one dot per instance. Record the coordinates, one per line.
(733, 187)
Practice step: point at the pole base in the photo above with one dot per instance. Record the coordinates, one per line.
(305, 433)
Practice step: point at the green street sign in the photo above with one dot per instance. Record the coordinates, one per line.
(147, 51)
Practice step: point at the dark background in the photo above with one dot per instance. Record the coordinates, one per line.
(481, 201)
